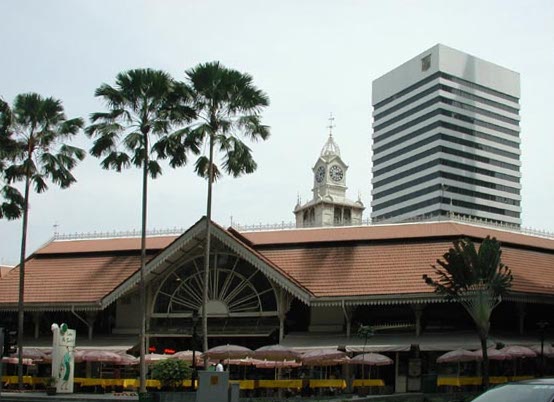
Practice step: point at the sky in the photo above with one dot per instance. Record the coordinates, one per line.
(311, 57)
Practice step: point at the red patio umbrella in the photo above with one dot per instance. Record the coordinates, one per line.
(128, 360)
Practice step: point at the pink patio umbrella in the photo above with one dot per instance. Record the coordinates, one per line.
(277, 364)
(127, 360)
(548, 350)
(152, 358)
(228, 352)
(493, 354)
(186, 355)
(371, 359)
(276, 352)
(324, 357)
(457, 356)
(518, 352)
(15, 360)
(247, 361)
(33, 354)
(103, 356)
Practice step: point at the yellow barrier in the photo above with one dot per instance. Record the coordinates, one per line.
(280, 384)
(244, 384)
(335, 383)
(465, 381)
(13, 379)
(368, 383)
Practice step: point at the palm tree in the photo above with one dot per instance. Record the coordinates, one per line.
(476, 279)
(227, 105)
(40, 152)
(11, 205)
(143, 108)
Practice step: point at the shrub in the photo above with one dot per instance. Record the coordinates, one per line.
(171, 372)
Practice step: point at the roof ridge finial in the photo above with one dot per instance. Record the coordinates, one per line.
(331, 125)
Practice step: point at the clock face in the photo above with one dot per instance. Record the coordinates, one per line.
(336, 173)
(320, 174)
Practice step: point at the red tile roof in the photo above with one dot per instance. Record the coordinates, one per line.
(388, 269)
(99, 245)
(393, 232)
(333, 262)
(75, 279)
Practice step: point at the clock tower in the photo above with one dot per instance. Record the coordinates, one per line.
(329, 206)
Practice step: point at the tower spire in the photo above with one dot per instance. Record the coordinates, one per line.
(331, 125)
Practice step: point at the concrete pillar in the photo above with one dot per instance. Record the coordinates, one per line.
(90, 318)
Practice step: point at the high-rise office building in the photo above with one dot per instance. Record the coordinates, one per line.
(446, 139)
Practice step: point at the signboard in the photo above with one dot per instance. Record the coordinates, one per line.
(63, 350)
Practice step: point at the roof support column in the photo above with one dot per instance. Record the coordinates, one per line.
(284, 301)
(520, 311)
(347, 310)
(418, 313)
(36, 322)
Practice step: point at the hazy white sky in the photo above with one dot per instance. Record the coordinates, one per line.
(311, 57)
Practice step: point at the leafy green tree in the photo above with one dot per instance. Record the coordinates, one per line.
(144, 107)
(11, 200)
(477, 279)
(228, 106)
(171, 372)
(40, 152)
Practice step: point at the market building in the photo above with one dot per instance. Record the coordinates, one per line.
(305, 288)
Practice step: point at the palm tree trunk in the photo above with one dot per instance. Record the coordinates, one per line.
(483, 338)
(20, 311)
(207, 251)
(142, 269)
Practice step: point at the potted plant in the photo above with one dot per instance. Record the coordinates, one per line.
(50, 385)
(170, 373)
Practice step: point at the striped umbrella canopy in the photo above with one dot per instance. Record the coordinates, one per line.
(228, 352)
(372, 359)
(33, 354)
(276, 352)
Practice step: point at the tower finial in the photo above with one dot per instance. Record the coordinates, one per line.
(331, 125)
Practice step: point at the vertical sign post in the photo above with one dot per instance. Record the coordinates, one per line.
(63, 349)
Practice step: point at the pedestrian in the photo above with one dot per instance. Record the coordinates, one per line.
(219, 366)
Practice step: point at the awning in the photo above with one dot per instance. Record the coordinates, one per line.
(440, 342)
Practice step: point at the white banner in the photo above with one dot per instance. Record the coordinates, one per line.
(63, 349)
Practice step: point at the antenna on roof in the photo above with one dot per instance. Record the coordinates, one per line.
(56, 225)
